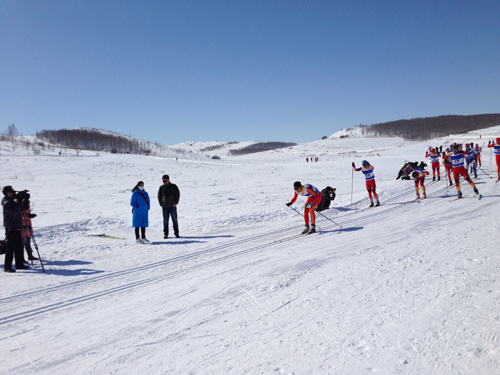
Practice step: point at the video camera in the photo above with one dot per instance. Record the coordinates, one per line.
(22, 195)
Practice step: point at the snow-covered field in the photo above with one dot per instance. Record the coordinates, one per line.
(405, 288)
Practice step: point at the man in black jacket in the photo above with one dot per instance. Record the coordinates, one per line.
(168, 198)
(13, 223)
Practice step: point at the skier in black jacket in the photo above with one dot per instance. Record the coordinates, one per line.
(168, 198)
(13, 223)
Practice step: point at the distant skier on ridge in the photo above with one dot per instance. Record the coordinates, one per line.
(367, 170)
(313, 200)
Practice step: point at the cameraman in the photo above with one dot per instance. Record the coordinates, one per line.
(13, 223)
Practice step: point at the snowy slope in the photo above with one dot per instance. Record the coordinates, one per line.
(405, 288)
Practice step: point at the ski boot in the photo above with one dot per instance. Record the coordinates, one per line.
(451, 183)
(476, 191)
(439, 178)
(434, 178)
(378, 204)
(371, 204)
(306, 230)
(313, 229)
(418, 196)
(424, 196)
(475, 175)
(459, 194)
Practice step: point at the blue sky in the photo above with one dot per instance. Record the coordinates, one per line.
(174, 71)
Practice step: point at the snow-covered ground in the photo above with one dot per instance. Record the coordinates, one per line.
(405, 288)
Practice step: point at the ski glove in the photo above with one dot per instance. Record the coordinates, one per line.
(31, 216)
(309, 205)
(289, 204)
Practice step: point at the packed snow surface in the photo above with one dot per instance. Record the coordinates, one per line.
(411, 287)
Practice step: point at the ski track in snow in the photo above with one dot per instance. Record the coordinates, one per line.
(410, 287)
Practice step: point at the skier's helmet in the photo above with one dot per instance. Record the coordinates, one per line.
(297, 185)
(364, 163)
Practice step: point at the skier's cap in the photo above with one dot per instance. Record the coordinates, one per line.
(364, 162)
(165, 177)
(498, 139)
(433, 150)
(328, 188)
(296, 185)
(7, 189)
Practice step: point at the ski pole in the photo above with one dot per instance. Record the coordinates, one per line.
(484, 172)
(327, 218)
(352, 183)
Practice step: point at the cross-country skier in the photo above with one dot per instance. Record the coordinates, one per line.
(434, 155)
(457, 158)
(471, 159)
(419, 176)
(477, 151)
(367, 170)
(313, 199)
(496, 147)
(448, 165)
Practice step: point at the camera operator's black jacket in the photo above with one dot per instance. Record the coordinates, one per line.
(11, 213)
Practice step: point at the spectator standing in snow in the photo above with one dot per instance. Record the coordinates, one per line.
(327, 196)
(27, 231)
(367, 170)
(140, 206)
(13, 223)
(313, 200)
(168, 198)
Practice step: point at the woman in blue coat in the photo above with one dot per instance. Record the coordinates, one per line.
(140, 207)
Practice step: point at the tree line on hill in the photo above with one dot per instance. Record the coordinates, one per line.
(418, 129)
(261, 146)
(86, 139)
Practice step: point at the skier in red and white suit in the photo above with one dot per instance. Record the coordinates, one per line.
(434, 155)
(458, 160)
(419, 176)
(448, 165)
(477, 151)
(496, 147)
(367, 170)
(313, 200)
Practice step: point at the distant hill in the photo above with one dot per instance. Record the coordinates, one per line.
(260, 147)
(430, 127)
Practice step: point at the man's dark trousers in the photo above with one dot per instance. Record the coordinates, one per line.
(170, 211)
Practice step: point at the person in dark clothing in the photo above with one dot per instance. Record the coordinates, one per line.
(168, 198)
(404, 172)
(13, 223)
(328, 195)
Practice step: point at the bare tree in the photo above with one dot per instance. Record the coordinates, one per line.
(11, 134)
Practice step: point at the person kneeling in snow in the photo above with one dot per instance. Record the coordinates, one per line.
(313, 200)
(327, 196)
